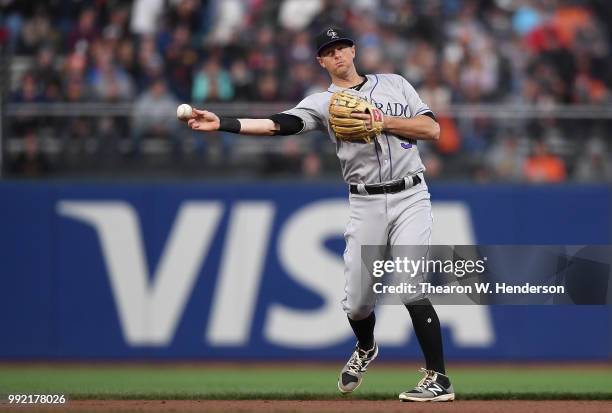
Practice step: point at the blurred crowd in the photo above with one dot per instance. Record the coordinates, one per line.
(156, 54)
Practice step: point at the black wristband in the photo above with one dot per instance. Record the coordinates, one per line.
(229, 125)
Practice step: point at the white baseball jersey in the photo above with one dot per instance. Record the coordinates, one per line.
(390, 157)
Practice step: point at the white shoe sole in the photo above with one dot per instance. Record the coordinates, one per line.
(442, 398)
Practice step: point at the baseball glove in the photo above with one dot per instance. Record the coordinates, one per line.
(341, 106)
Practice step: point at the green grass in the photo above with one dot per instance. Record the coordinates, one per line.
(167, 382)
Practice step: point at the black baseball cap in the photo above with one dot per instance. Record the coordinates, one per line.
(331, 35)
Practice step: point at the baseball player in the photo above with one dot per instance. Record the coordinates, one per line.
(374, 120)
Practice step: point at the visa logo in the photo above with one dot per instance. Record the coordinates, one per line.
(150, 302)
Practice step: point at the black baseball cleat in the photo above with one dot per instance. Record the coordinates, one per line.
(352, 373)
(434, 387)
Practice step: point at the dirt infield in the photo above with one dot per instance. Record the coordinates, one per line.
(311, 406)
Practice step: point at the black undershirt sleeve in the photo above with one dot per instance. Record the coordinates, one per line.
(430, 115)
(288, 124)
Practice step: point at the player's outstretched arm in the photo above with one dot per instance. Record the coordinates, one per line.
(206, 121)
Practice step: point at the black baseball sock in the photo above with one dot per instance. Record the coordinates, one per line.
(427, 329)
(364, 331)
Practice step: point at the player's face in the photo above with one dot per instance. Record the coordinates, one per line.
(337, 58)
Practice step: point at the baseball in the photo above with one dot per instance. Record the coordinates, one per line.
(183, 112)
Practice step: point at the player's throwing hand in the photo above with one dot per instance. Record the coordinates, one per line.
(203, 120)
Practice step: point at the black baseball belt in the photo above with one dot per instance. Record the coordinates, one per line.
(388, 188)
